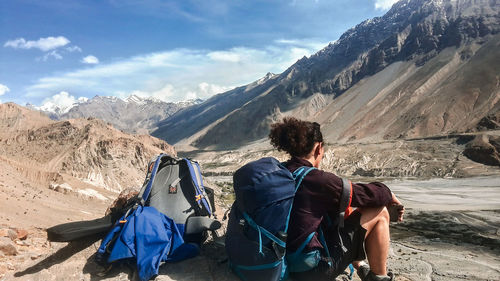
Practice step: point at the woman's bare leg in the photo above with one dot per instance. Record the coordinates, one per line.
(377, 239)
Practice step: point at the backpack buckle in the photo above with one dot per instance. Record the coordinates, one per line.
(278, 250)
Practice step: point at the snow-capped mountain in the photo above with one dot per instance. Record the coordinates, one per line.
(133, 114)
(60, 109)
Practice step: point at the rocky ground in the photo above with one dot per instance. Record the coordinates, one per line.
(461, 243)
(451, 230)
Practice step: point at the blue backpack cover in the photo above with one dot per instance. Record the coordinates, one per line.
(258, 222)
(167, 221)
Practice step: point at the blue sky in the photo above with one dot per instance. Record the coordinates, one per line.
(60, 51)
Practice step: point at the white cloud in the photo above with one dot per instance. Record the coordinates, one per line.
(74, 48)
(176, 75)
(224, 56)
(60, 103)
(54, 54)
(90, 60)
(287, 41)
(169, 93)
(206, 90)
(384, 4)
(307, 44)
(3, 89)
(44, 44)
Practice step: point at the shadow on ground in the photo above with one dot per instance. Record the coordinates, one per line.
(60, 255)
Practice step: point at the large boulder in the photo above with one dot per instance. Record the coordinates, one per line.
(484, 149)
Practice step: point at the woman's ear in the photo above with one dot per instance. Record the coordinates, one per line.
(318, 154)
(317, 149)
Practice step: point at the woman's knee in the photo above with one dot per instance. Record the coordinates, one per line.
(384, 214)
(371, 216)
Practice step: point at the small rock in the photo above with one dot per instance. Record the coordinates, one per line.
(7, 247)
(27, 243)
(7, 232)
(21, 257)
(22, 234)
(38, 241)
(35, 256)
(122, 200)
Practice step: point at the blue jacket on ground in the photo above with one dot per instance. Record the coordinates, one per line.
(151, 237)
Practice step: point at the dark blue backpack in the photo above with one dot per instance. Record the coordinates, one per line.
(258, 222)
(167, 221)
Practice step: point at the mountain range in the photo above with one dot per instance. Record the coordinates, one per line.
(132, 115)
(425, 68)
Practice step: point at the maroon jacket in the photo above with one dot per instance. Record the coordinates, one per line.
(319, 195)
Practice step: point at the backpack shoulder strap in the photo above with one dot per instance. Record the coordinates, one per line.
(298, 176)
(201, 196)
(345, 200)
(344, 208)
(152, 169)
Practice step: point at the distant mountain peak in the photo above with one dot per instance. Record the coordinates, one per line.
(189, 102)
(268, 76)
(142, 100)
(135, 99)
(57, 108)
(109, 98)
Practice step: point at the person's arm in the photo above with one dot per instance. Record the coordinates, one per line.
(375, 194)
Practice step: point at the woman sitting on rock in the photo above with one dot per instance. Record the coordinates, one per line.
(366, 230)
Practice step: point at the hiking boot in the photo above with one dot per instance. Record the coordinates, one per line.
(365, 274)
(363, 271)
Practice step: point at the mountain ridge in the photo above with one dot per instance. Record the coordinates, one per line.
(133, 114)
(413, 31)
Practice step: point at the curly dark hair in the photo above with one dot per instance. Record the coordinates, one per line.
(295, 136)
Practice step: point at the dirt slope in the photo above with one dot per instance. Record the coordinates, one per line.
(87, 150)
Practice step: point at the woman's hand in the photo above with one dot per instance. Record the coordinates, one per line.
(396, 209)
